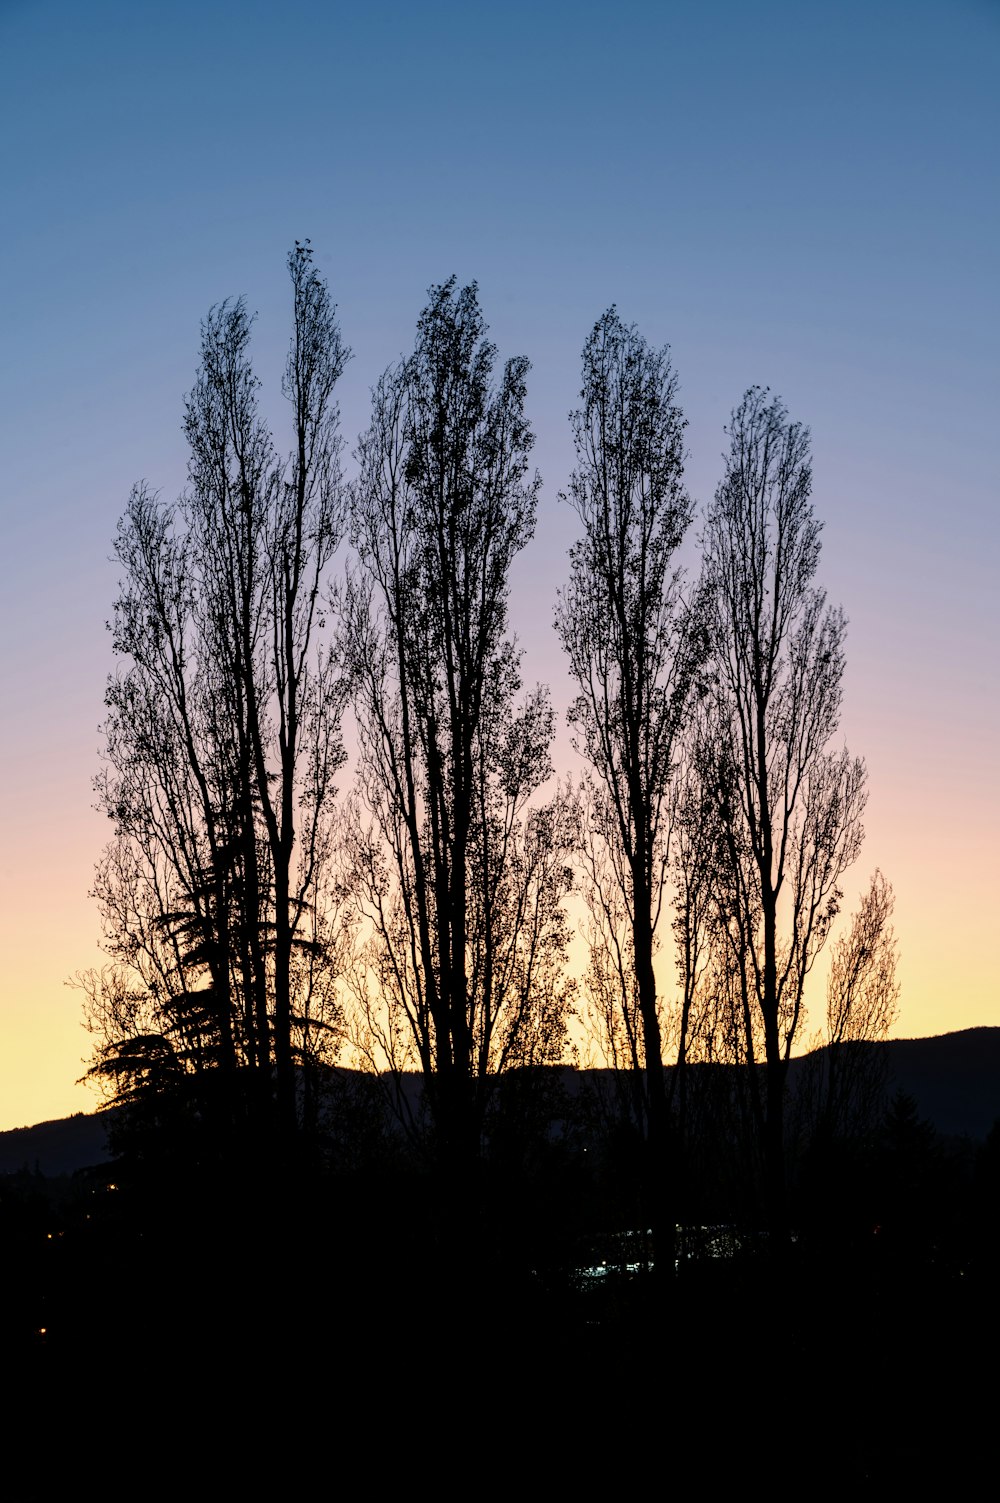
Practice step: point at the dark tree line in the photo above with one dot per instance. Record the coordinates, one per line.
(259, 929)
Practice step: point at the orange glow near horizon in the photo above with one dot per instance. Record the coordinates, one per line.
(945, 986)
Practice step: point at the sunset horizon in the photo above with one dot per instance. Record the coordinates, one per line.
(821, 231)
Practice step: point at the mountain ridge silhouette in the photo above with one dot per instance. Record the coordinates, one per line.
(953, 1077)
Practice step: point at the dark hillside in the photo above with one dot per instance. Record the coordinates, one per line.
(58, 1147)
(954, 1078)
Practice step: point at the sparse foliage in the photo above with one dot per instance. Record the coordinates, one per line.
(634, 647)
(222, 737)
(861, 1006)
(788, 803)
(461, 873)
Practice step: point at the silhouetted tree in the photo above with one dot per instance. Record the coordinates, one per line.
(789, 806)
(461, 877)
(861, 1006)
(634, 647)
(223, 727)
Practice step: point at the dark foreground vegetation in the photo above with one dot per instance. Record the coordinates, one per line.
(534, 1282)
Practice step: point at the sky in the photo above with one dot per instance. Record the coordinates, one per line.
(794, 194)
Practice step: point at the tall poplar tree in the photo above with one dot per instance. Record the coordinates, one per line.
(461, 872)
(789, 801)
(634, 647)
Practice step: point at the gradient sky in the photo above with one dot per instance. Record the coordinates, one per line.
(796, 194)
